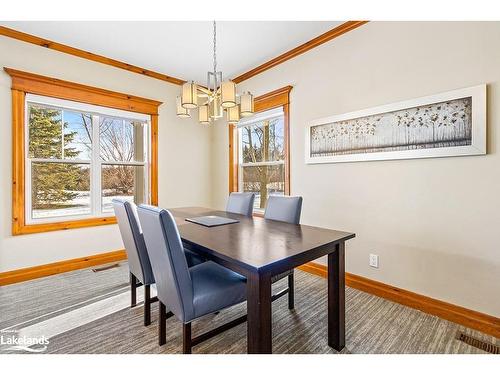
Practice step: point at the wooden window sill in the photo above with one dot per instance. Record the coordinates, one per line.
(61, 225)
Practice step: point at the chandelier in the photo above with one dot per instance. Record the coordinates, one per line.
(218, 97)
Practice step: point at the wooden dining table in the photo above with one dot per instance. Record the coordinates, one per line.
(258, 249)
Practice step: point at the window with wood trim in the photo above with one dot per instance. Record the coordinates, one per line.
(75, 148)
(259, 149)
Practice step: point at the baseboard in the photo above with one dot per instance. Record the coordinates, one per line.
(457, 314)
(24, 274)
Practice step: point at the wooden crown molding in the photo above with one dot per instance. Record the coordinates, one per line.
(53, 87)
(11, 33)
(313, 43)
(46, 43)
(30, 273)
(457, 314)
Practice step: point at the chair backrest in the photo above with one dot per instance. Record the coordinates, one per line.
(173, 281)
(138, 259)
(285, 209)
(240, 203)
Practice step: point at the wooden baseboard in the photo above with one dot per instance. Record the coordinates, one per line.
(457, 314)
(24, 274)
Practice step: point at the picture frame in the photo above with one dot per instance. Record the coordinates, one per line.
(410, 129)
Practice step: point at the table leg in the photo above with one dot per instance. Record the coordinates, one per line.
(259, 335)
(336, 298)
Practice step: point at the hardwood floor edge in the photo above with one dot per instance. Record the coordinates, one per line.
(30, 273)
(454, 313)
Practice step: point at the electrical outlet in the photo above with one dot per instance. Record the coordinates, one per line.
(374, 260)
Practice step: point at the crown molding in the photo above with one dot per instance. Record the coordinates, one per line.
(28, 38)
(313, 43)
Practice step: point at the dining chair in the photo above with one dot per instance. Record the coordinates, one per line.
(240, 203)
(188, 293)
(286, 209)
(138, 260)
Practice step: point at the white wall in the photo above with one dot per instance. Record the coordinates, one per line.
(435, 223)
(184, 154)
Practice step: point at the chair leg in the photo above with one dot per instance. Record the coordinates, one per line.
(162, 325)
(291, 291)
(147, 305)
(186, 338)
(133, 290)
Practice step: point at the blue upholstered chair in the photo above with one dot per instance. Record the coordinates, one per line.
(283, 208)
(138, 259)
(286, 209)
(240, 203)
(189, 293)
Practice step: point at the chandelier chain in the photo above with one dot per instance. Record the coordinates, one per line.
(215, 48)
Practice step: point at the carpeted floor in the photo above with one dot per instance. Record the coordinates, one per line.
(88, 312)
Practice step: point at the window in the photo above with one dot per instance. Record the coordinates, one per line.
(262, 156)
(75, 148)
(80, 157)
(259, 156)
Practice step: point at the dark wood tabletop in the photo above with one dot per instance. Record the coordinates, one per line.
(255, 243)
(260, 249)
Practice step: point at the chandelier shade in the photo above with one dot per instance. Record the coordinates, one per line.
(203, 116)
(246, 105)
(216, 110)
(189, 95)
(233, 114)
(181, 111)
(228, 94)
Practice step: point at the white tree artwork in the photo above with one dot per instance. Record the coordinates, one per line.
(428, 129)
(445, 124)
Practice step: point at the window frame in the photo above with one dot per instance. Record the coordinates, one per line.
(95, 162)
(279, 98)
(24, 84)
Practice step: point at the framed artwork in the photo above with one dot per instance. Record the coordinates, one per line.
(447, 124)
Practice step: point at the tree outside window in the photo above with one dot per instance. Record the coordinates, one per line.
(262, 159)
(64, 160)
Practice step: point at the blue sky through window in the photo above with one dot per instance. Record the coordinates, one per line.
(81, 124)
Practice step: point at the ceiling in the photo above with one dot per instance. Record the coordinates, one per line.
(182, 49)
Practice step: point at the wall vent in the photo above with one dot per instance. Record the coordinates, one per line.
(105, 268)
(486, 346)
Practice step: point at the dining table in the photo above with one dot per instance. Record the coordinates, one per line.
(259, 249)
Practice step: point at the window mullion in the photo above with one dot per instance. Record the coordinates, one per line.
(95, 180)
(62, 135)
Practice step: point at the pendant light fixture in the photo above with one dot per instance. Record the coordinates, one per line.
(233, 114)
(203, 116)
(246, 105)
(181, 111)
(218, 97)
